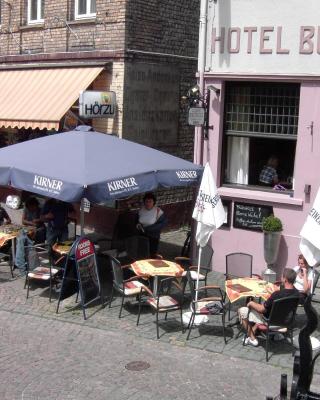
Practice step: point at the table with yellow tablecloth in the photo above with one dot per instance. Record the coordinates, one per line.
(249, 287)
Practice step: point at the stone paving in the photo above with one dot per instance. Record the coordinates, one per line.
(207, 339)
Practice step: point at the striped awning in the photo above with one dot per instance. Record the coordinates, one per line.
(39, 98)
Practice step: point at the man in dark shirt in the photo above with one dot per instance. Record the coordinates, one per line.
(57, 214)
(258, 311)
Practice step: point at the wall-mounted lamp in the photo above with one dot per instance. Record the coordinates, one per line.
(198, 102)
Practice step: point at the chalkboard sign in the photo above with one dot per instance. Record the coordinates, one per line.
(249, 216)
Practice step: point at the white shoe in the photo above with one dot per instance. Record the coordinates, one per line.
(252, 342)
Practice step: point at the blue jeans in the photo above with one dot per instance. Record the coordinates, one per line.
(22, 240)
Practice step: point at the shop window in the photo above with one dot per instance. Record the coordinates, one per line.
(35, 11)
(261, 122)
(85, 8)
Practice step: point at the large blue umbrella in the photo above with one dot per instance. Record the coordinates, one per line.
(72, 165)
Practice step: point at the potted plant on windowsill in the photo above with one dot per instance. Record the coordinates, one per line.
(272, 228)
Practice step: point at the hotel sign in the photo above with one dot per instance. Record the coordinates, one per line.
(94, 104)
(264, 37)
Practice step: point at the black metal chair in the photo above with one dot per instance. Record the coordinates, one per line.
(210, 302)
(165, 300)
(137, 247)
(205, 265)
(281, 320)
(130, 287)
(238, 265)
(40, 268)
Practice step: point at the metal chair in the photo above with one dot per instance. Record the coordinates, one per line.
(281, 320)
(205, 265)
(39, 267)
(210, 302)
(238, 265)
(137, 247)
(126, 287)
(163, 301)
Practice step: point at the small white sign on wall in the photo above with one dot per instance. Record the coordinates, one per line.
(94, 104)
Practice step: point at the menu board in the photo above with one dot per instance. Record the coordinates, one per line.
(250, 216)
(87, 271)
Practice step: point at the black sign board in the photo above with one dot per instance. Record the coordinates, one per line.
(81, 274)
(249, 216)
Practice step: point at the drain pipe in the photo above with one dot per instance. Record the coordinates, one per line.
(199, 132)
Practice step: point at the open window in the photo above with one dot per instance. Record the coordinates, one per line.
(35, 11)
(85, 9)
(261, 121)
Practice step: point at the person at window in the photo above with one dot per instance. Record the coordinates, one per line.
(268, 175)
(4, 217)
(57, 214)
(250, 321)
(151, 221)
(304, 277)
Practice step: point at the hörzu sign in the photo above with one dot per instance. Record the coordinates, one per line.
(94, 104)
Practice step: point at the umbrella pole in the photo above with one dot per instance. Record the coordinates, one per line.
(81, 216)
(198, 272)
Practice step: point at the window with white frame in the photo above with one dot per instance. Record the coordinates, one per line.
(35, 11)
(85, 8)
(260, 131)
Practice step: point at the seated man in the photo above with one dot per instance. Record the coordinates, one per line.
(258, 311)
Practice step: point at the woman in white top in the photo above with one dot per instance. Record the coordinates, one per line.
(151, 220)
(304, 277)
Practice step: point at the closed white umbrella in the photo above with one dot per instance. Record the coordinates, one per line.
(208, 212)
(210, 215)
(310, 245)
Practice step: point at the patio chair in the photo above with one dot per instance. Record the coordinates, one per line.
(137, 247)
(281, 320)
(165, 300)
(40, 268)
(210, 302)
(126, 287)
(205, 265)
(238, 265)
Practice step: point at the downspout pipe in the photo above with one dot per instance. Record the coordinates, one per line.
(199, 132)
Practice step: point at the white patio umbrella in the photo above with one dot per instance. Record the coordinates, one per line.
(310, 244)
(209, 214)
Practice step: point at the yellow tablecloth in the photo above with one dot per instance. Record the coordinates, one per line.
(11, 231)
(235, 288)
(62, 248)
(156, 268)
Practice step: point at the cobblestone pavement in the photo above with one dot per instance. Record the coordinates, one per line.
(60, 356)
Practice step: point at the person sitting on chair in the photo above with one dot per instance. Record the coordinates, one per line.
(151, 220)
(31, 217)
(258, 311)
(304, 277)
(268, 175)
(4, 217)
(57, 214)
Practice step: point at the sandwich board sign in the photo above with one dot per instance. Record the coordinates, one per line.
(81, 274)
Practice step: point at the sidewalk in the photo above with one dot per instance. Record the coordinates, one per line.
(207, 337)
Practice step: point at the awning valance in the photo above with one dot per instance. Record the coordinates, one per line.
(39, 98)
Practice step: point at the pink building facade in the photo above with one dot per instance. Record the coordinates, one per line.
(264, 56)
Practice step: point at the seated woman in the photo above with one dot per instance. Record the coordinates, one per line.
(304, 277)
(151, 220)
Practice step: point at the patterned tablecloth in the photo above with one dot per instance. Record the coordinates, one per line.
(245, 287)
(156, 268)
(11, 231)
